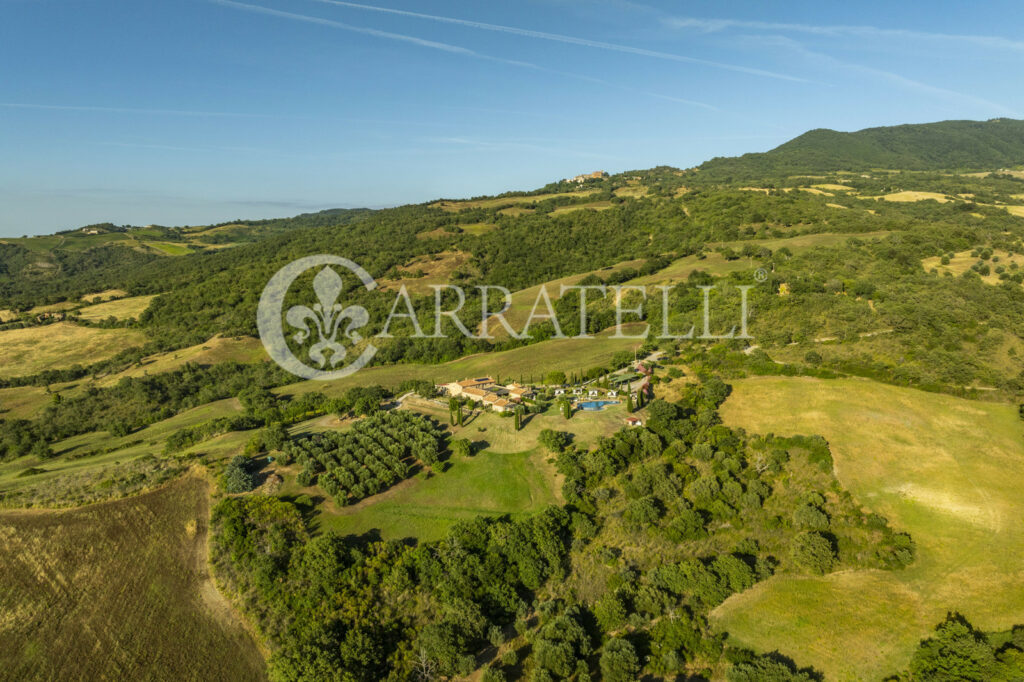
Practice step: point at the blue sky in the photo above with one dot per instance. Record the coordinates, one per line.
(199, 111)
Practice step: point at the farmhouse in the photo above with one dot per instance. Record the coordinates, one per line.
(518, 392)
(458, 388)
(596, 175)
(634, 421)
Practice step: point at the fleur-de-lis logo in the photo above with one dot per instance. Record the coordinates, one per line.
(327, 315)
(327, 322)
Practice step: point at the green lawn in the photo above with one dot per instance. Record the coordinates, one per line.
(425, 507)
(944, 469)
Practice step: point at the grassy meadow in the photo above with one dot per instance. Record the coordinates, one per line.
(121, 309)
(425, 506)
(118, 590)
(944, 469)
(504, 201)
(62, 344)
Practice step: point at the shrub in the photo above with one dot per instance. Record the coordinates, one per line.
(813, 552)
(237, 476)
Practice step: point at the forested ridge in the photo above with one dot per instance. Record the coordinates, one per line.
(997, 143)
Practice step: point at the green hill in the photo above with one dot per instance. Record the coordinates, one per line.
(998, 143)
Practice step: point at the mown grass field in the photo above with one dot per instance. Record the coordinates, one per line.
(425, 507)
(121, 309)
(217, 349)
(915, 196)
(118, 591)
(944, 469)
(62, 344)
(107, 295)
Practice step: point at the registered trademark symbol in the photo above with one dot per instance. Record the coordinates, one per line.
(761, 275)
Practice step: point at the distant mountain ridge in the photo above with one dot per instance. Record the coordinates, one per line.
(997, 143)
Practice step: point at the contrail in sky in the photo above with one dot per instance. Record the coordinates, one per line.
(571, 40)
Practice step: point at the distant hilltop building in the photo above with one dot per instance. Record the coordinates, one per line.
(596, 175)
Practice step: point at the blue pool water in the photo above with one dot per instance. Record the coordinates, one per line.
(594, 405)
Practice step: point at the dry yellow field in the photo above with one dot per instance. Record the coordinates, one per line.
(631, 191)
(118, 590)
(593, 205)
(962, 261)
(108, 295)
(217, 349)
(833, 187)
(437, 269)
(516, 211)
(121, 309)
(501, 201)
(52, 308)
(947, 470)
(914, 196)
(60, 345)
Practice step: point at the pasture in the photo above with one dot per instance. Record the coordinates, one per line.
(60, 345)
(962, 261)
(108, 295)
(118, 590)
(947, 470)
(915, 196)
(592, 205)
(98, 465)
(425, 506)
(420, 274)
(217, 349)
(121, 309)
(505, 201)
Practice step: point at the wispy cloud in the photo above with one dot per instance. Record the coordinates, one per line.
(717, 25)
(454, 49)
(909, 84)
(571, 40)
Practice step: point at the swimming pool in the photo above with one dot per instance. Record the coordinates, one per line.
(595, 405)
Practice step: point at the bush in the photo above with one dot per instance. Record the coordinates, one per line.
(619, 662)
(809, 517)
(813, 552)
(237, 476)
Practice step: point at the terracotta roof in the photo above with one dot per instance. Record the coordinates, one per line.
(480, 381)
(479, 392)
